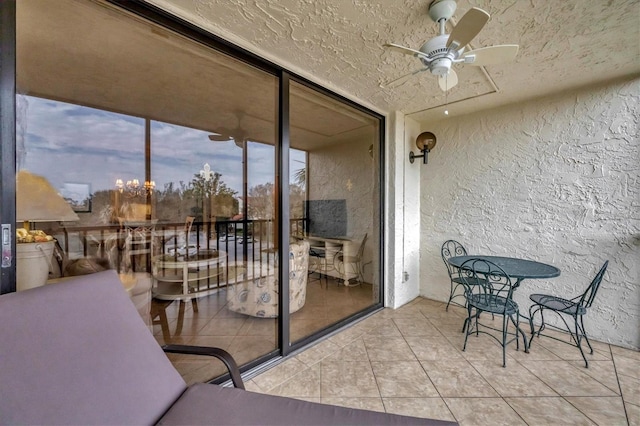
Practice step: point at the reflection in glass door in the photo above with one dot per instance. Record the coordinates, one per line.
(165, 153)
(165, 150)
(334, 204)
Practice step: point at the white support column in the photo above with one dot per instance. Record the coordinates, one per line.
(403, 213)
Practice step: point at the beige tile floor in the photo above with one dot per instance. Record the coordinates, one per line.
(245, 337)
(410, 361)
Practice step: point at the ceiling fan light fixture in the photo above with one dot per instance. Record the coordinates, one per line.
(441, 66)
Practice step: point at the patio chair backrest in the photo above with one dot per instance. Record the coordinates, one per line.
(589, 295)
(488, 280)
(451, 248)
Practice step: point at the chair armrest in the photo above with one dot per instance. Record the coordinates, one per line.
(221, 354)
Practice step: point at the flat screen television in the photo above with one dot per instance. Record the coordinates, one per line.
(326, 218)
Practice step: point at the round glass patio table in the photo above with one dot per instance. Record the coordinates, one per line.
(512, 266)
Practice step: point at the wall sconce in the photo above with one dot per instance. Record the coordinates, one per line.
(425, 143)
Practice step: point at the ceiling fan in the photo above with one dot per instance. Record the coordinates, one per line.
(441, 52)
(237, 134)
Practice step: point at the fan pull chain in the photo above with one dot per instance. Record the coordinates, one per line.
(446, 94)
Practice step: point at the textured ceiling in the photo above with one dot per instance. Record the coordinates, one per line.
(338, 43)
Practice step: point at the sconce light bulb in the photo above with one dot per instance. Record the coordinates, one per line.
(446, 112)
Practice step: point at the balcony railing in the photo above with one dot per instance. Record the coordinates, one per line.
(253, 245)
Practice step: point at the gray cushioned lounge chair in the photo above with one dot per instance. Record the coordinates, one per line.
(78, 352)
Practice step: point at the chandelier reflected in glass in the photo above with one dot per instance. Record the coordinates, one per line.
(133, 188)
(206, 172)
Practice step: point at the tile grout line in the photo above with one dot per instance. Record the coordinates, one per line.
(624, 403)
(425, 371)
(564, 397)
(374, 373)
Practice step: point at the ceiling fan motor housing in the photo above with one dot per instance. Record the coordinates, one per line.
(440, 57)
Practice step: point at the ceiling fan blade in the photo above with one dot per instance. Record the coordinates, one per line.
(468, 27)
(220, 138)
(491, 55)
(405, 50)
(448, 81)
(226, 138)
(222, 134)
(398, 81)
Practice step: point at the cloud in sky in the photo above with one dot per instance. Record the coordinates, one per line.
(72, 143)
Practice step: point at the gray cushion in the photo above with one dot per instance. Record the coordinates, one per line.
(204, 404)
(77, 352)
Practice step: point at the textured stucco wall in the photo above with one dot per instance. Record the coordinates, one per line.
(556, 180)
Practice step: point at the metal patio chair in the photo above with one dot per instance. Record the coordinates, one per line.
(575, 308)
(452, 248)
(449, 249)
(489, 289)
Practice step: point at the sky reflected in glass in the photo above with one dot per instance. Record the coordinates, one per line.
(72, 143)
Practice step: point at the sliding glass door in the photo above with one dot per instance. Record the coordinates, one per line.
(334, 192)
(165, 155)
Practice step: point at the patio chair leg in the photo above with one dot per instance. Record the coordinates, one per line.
(450, 298)
(531, 314)
(477, 327)
(524, 340)
(584, 334)
(468, 324)
(579, 344)
(524, 335)
(504, 341)
(515, 324)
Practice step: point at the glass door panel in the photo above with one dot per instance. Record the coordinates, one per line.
(335, 207)
(156, 142)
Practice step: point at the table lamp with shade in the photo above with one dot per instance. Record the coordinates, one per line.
(37, 201)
